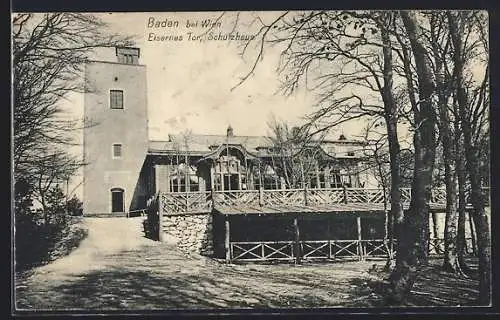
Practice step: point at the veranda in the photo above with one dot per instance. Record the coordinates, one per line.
(295, 224)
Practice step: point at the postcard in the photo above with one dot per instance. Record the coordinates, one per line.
(250, 160)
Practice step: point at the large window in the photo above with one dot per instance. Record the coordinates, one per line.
(116, 99)
(184, 178)
(228, 173)
(179, 184)
(117, 150)
(336, 180)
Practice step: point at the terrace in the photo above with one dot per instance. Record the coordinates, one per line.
(297, 205)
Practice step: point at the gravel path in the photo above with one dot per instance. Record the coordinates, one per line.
(116, 268)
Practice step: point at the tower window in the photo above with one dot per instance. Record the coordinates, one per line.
(117, 150)
(116, 99)
(128, 55)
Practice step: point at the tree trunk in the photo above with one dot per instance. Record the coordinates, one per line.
(45, 209)
(450, 262)
(395, 216)
(451, 224)
(41, 191)
(472, 166)
(461, 178)
(472, 234)
(413, 242)
(424, 139)
(461, 239)
(435, 232)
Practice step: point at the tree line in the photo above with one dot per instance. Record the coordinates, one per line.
(422, 72)
(49, 52)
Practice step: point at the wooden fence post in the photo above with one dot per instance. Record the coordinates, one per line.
(160, 217)
(305, 195)
(344, 191)
(297, 240)
(329, 249)
(261, 196)
(360, 243)
(212, 198)
(227, 239)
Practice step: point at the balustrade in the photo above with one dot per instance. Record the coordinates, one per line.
(205, 201)
(186, 202)
(310, 250)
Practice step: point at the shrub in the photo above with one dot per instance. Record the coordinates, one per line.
(38, 241)
(75, 206)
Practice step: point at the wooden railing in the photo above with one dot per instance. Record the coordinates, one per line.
(436, 246)
(262, 251)
(185, 202)
(323, 249)
(309, 250)
(236, 198)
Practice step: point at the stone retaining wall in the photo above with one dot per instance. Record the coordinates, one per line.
(190, 232)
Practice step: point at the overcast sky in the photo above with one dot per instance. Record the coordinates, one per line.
(190, 82)
(193, 85)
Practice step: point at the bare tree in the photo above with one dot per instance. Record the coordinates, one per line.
(282, 140)
(393, 66)
(473, 118)
(48, 54)
(440, 44)
(55, 168)
(295, 152)
(413, 245)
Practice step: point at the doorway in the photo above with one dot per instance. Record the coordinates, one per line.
(117, 201)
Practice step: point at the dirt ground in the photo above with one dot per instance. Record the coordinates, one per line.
(116, 268)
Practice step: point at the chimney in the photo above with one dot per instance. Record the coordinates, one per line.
(128, 55)
(230, 132)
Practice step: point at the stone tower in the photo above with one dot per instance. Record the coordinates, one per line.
(116, 134)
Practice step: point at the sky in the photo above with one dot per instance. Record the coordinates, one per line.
(194, 84)
(194, 76)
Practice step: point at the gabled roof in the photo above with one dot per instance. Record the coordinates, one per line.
(203, 145)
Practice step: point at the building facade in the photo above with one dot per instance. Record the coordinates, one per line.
(124, 168)
(116, 133)
(230, 196)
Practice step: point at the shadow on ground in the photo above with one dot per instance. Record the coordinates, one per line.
(129, 273)
(143, 290)
(433, 287)
(220, 286)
